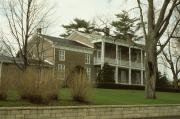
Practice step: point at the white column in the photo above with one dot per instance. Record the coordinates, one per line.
(117, 55)
(1, 72)
(130, 82)
(142, 83)
(130, 57)
(141, 59)
(102, 53)
(117, 63)
(116, 74)
(119, 59)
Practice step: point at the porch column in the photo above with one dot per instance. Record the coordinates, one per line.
(142, 83)
(116, 74)
(117, 55)
(129, 56)
(1, 72)
(119, 59)
(130, 82)
(102, 53)
(141, 59)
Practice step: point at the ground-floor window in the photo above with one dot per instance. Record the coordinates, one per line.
(123, 76)
(88, 71)
(136, 77)
(61, 71)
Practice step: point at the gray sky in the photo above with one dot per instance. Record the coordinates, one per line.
(66, 10)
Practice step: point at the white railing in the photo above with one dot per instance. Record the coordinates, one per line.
(136, 65)
(97, 60)
(110, 60)
(113, 61)
(123, 62)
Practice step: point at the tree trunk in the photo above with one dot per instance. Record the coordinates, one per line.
(151, 71)
(175, 82)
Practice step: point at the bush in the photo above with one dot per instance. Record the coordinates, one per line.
(162, 81)
(79, 84)
(38, 86)
(106, 74)
(3, 89)
(3, 94)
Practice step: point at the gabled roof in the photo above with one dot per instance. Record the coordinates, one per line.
(92, 37)
(63, 41)
(7, 59)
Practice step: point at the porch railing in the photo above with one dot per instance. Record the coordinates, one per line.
(113, 61)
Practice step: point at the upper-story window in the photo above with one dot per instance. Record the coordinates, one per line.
(61, 55)
(87, 58)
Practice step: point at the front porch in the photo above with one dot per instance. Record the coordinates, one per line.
(125, 76)
(117, 55)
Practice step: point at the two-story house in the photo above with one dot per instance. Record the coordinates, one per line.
(92, 52)
(125, 56)
(64, 54)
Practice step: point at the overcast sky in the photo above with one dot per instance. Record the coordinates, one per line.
(66, 10)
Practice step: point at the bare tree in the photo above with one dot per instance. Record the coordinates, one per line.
(157, 25)
(23, 17)
(172, 61)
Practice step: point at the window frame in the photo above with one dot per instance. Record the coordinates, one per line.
(87, 58)
(61, 55)
(88, 71)
(61, 70)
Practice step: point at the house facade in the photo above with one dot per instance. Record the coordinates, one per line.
(92, 51)
(125, 57)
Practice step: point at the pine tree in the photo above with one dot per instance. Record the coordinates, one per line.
(124, 26)
(80, 25)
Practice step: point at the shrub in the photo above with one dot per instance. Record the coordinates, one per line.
(3, 89)
(106, 74)
(79, 84)
(3, 93)
(162, 81)
(38, 86)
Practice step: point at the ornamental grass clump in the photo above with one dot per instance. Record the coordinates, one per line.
(3, 88)
(79, 84)
(3, 91)
(38, 86)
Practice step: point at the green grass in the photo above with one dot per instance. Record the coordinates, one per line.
(100, 97)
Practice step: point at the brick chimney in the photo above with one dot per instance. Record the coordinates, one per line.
(106, 31)
(39, 30)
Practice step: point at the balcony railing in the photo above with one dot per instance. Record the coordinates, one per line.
(109, 60)
(97, 60)
(112, 61)
(123, 63)
(136, 65)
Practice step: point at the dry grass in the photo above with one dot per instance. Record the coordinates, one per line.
(3, 89)
(79, 85)
(38, 85)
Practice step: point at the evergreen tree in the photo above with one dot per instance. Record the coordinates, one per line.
(162, 81)
(106, 74)
(124, 26)
(80, 25)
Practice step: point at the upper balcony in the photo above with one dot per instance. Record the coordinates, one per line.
(119, 56)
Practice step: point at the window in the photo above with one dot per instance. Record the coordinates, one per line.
(87, 58)
(88, 71)
(98, 54)
(61, 71)
(61, 55)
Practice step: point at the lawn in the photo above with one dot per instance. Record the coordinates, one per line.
(101, 97)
